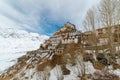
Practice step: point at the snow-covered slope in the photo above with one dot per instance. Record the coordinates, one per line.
(14, 43)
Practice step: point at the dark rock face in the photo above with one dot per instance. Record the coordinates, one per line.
(101, 58)
(65, 71)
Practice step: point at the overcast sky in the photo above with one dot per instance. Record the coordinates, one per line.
(43, 16)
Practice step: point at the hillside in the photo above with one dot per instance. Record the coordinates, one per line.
(15, 43)
(64, 57)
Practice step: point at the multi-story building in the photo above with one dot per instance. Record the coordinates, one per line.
(66, 35)
(102, 36)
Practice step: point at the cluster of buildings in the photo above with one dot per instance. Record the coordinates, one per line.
(68, 34)
(102, 36)
(104, 33)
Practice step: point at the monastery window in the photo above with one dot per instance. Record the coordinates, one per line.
(76, 40)
(72, 40)
(68, 41)
(73, 37)
(77, 36)
(104, 30)
(100, 31)
(65, 41)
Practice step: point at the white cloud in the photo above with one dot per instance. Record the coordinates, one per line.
(29, 13)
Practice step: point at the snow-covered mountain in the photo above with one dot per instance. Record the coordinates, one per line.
(15, 42)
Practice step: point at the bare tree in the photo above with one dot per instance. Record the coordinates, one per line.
(118, 22)
(107, 10)
(106, 15)
(90, 24)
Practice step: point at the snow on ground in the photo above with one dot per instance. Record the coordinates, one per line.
(56, 73)
(117, 72)
(9, 59)
(89, 68)
(15, 43)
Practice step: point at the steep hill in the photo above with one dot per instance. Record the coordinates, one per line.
(62, 57)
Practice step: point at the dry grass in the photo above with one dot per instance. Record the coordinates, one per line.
(103, 75)
(46, 62)
(41, 67)
(8, 77)
(86, 77)
(116, 66)
(88, 57)
(98, 65)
